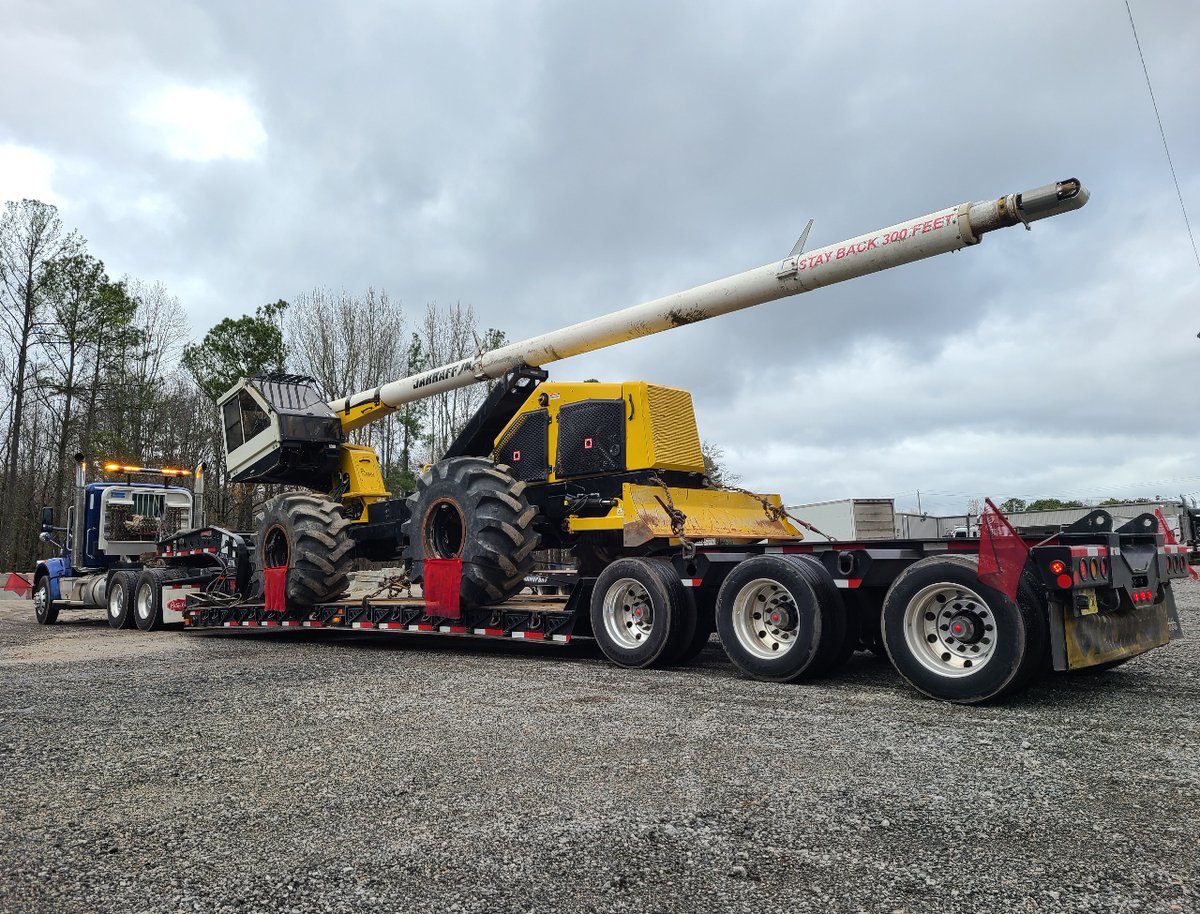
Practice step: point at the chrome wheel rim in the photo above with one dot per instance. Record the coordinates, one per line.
(144, 599)
(766, 621)
(628, 615)
(950, 630)
(116, 599)
(40, 600)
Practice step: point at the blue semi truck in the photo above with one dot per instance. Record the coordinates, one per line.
(109, 536)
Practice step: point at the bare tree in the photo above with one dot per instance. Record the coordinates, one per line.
(449, 335)
(31, 236)
(349, 343)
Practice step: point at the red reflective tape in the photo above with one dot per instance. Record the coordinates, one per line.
(457, 629)
(391, 625)
(422, 627)
(530, 636)
(493, 631)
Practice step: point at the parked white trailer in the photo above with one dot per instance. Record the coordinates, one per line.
(850, 519)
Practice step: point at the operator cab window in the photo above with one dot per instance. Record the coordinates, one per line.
(233, 426)
(244, 419)
(254, 417)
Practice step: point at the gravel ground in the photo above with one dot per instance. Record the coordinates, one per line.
(306, 772)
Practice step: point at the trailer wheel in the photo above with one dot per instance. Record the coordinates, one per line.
(843, 618)
(638, 610)
(147, 601)
(703, 607)
(774, 621)
(310, 535)
(44, 608)
(119, 598)
(473, 509)
(955, 638)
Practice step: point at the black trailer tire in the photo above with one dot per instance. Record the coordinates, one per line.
(957, 639)
(636, 609)
(842, 632)
(310, 535)
(773, 622)
(703, 602)
(473, 509)
(147, 601)
(45, 610)
(118, 598)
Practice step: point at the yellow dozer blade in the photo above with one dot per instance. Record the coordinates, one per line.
(709, 513)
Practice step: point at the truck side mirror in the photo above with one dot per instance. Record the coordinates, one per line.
(47, 519)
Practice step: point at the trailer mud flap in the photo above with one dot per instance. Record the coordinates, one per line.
(1088, 640)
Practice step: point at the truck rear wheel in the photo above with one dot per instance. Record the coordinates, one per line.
(309, 535)
(119, 598)
(473, 509)
(955, 638)
(44, 609)
(776, 621)
(638, 613)
(147, 601)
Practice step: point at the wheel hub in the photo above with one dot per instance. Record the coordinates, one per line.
(765, 618)
(966, 627)
(781, 617)
(950, 629)
(628, 613)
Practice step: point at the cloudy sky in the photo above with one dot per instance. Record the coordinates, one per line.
(547, 162)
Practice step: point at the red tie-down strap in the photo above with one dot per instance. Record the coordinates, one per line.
(1002, 552)
(442, 585)
(1169, 537)
(275, 589)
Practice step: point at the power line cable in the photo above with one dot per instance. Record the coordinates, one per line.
(1163, 134)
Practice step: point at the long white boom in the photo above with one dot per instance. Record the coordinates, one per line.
(936, 233)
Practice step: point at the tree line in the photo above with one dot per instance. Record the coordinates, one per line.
(107, 367)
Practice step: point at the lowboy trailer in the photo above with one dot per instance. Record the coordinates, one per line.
(965, 621)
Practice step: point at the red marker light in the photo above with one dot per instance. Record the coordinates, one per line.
(1058, 567)
(1064, 580)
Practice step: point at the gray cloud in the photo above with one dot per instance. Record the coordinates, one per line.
(549, 162)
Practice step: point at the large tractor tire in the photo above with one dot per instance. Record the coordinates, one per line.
(310, 536)
(473, 509)
(957, 639)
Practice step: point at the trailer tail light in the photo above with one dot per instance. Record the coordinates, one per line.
(1064, 581)
(1083, 570)
(1058, 566)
